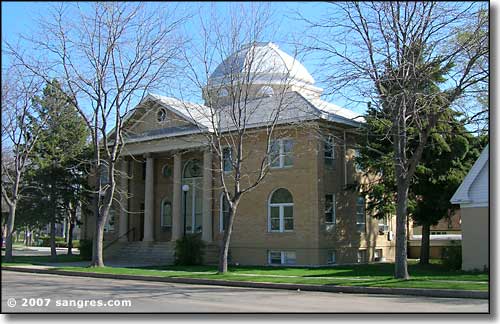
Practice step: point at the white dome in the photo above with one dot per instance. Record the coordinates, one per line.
(266, 63)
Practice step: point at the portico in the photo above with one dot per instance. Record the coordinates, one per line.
(155, 208)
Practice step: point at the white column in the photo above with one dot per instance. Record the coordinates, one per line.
(149, 200)
(177, 220)
(206, 234)
(123, 222)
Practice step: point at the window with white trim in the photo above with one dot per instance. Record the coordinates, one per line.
(282, 257)
(329, 151)
(280, 211)
(383, 225)
(377, 256)
(281, 153)
(360, 214)
(361, 256)
(332, 258)
(227, 157)
(223, 213)
(330, 209)
(166, 213)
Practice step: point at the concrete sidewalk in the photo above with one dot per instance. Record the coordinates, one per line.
(299, 287)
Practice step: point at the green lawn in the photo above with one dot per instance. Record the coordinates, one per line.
(434, 275)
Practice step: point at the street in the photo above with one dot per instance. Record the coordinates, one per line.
(53, 293)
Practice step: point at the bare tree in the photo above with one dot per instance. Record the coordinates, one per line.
(241, 115)
(18, 139)
(107, 56)
(383, 52)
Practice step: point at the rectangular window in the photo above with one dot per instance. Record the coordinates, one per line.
(288, 218)
(281, 153)
(289, 257)
(361, 256)
(383, 226)
(282, 257)
(377, 256)
(360, 214)
(332, 258)
(274, 257)
(227, 156)
(330, 209)
(274, 154)
(275, 219)
(287, 145)
(329, 151)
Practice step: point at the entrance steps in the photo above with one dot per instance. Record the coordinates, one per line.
(140, 253)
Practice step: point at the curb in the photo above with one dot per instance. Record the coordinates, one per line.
(444, 293)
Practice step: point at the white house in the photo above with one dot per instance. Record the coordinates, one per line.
(472, 196)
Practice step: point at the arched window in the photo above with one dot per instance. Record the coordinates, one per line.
(280, 211)
(224, 213)
(266, 91)
(166, 213)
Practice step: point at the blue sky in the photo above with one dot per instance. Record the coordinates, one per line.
(20, 18)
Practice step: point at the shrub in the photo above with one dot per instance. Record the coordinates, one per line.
(452, 257)
(85, 249)
(189, 250)
(45, 241)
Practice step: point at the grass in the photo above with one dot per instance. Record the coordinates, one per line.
(434, 275)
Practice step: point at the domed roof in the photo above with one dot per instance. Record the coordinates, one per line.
(266, 64)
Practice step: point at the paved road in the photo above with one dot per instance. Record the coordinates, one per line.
(168, 297)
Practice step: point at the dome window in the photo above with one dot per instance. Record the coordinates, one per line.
(223, 93)
(162, 115)
(266, 91)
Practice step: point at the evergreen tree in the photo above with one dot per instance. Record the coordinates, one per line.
(56, 179)
(447, 157)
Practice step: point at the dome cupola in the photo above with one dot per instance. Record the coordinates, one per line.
(265, 69)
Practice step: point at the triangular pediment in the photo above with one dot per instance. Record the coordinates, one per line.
(156, 115)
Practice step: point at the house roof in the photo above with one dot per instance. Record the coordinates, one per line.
(292, 106)
(474, 187)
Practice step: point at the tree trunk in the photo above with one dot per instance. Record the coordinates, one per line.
(53, 251)
(401, 267)
(425, 245)
(97, 255)
(97, 259)
(72, 220)
(224, 250)
(10, 232)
